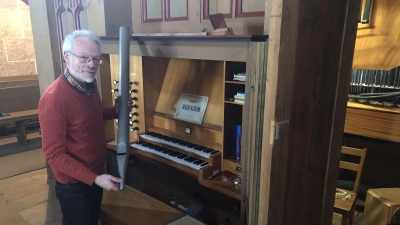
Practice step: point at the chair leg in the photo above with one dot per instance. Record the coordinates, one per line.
(345, 218)
(351, 215)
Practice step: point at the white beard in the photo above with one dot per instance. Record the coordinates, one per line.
(79, 77)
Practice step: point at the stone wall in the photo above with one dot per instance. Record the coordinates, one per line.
(17, 54)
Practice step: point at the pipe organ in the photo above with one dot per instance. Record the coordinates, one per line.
(161, 69)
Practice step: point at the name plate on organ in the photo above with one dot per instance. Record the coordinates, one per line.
(191, 108)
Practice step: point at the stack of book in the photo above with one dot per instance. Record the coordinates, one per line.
(239, 97)
(239, 76)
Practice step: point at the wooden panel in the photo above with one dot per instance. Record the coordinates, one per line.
(380, 123)
(377, 43)
(252, 5)
(136, 72)
(254, 163)
(152, 11)
(176, 10)
(106, 17)
(250, 8)
(104, 86)
(59, 9)
(200, 135)
(217, 6)
(381, 205)
(196, 77)
(9, 84)
(298, 171)
(18, 81)
(137, 84)
(384, 155)
(212, 50)
(133, 207)
(152, 82)
(19, 98)
(44, 30)
(231, 166)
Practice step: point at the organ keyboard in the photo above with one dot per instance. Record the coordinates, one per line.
(195, 159)
(182, 145)
(172, 155)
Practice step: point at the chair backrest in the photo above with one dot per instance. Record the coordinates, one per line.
(356, 167)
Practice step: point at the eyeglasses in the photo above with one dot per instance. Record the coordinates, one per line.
(87, 59)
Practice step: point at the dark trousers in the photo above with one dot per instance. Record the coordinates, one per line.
(80, 203)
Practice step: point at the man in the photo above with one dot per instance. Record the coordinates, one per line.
(71, 119)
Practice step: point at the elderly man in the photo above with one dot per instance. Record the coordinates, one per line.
(71, 119)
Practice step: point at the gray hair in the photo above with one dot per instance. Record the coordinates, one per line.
(70, 38)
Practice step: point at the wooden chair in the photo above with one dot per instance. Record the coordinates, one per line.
(346, 207)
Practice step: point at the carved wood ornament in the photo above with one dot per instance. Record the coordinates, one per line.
(74, 7)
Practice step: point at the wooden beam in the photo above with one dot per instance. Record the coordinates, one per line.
(44, 31)
(309, 67)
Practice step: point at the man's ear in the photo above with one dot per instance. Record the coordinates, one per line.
(66, 56)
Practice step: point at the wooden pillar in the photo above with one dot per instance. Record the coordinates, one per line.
(44, 30)
(310, 55)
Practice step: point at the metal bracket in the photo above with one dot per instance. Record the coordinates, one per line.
(281, 129)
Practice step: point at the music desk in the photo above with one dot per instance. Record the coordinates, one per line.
(131, 206)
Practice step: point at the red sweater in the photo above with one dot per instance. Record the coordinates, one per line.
(73, 135)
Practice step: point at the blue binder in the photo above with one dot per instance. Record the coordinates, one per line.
(238, 135)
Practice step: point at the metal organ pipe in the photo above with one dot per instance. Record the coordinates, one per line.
(123, 110)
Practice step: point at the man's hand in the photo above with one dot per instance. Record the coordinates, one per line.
(130, 104)
(108, 182)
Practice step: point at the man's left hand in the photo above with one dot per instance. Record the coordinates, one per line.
(116, 105)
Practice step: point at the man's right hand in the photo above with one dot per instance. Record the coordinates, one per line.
(108, 182)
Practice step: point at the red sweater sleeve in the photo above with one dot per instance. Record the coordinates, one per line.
(109, 113)
(52, 115)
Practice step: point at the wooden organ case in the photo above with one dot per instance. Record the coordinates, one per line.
(161, 69)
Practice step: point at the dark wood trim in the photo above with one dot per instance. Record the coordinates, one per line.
(75, 6)
(59, 8)
(300, 180)
(239, 12)
(206, 10)
(167, 12)
(205, 38)
(144, 10)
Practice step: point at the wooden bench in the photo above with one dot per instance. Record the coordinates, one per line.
(19, 97)
(19, 93)
(131, 206)
(19, 120)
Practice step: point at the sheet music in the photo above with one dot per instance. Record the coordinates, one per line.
(186, 220)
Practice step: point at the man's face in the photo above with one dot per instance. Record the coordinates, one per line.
(83, 48)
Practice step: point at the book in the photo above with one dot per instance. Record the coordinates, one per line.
(238, 97)
(239, 76)
(222, 31)
(238, 136)
(240, 93)
(185, 220)
(239, 101)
